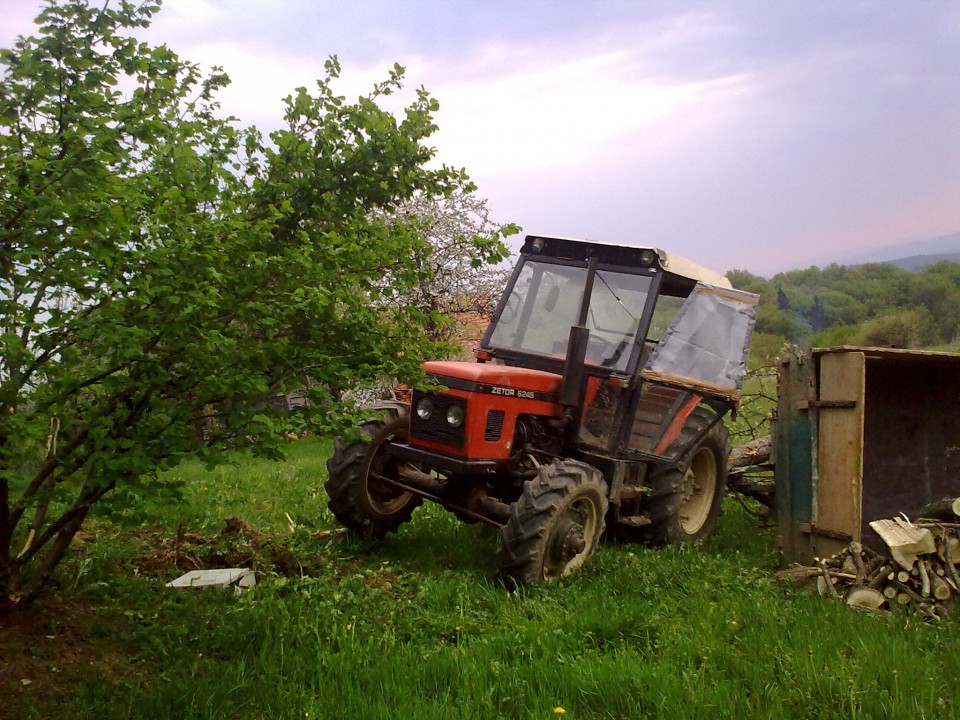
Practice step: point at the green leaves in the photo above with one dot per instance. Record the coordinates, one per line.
(164, 272)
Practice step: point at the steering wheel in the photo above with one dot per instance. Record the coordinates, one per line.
(509, 312)
(602, 350)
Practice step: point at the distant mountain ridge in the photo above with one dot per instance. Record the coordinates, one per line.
(916, 263)
(912, 256)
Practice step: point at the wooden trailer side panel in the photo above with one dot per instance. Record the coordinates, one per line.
(840, 412)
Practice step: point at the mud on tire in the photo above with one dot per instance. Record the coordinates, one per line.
(684, 501)
(361, 503)
(555, 525)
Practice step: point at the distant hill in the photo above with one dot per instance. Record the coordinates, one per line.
(916, 263)
(932, 250)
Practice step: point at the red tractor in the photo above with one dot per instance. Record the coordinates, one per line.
(596, 401)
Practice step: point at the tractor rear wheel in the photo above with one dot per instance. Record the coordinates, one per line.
(684, 501)
(555, 525)
(362, 503)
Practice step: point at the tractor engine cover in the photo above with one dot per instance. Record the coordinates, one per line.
(474, 414)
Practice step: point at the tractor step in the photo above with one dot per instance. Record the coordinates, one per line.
(632, 492)
(633, 521)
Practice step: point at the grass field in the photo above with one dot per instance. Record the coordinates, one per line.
(416, 627)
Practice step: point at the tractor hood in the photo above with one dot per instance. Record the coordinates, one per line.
(495, 379)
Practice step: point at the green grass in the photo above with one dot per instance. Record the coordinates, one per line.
(416, 627)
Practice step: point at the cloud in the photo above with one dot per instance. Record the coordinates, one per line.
(743, 134)
(567, 114)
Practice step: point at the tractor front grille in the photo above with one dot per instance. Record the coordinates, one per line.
(494, 426)
(436, 427)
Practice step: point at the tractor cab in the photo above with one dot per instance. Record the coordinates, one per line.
(604, 375)
(624, 305)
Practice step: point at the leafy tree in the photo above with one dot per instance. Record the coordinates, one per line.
(745, 280)
(937, 288)
(831, 303)
(157, 261)
(782, 301)
(836, 335)
(912, 328)
(455, 284)
(775, 321)
(817, 316)
(839, 308)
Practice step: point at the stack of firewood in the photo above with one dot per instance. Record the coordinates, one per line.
(919, 569)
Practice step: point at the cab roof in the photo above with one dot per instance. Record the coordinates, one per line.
(624, 255)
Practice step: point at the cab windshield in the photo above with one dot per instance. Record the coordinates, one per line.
(545, 301)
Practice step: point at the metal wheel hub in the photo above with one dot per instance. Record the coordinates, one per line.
(689, 487)
(568, 541)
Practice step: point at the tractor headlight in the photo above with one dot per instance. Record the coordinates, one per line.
(424, 408)
(455, 415)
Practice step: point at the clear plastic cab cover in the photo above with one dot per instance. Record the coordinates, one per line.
(544, 302)
(705, 347)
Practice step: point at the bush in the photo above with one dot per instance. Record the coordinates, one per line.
(913, 328)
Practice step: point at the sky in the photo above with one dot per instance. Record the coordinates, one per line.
(744, 134)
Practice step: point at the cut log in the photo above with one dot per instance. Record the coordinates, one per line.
(748, 460)
(874, 564)
(822, 586)
(826, 586)
(947, 509)
(763, 491)
(909, 592)
(802, 574)
(835, 562)
(878, 577)
(865, 599)
(889, 592)
(948, 545)
(856, 550)
(924, 578)
(904, 540)
(948, 558)
(755, 452)
(939, 588)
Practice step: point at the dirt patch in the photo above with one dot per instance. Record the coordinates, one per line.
(50, 648)
(60, 643)
(236, 545)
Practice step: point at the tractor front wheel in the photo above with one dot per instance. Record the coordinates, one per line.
(555, 525)
(359, 499)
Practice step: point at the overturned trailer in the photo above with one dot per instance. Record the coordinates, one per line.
(862, 434)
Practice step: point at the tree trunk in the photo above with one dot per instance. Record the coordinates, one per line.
(6, 533)
(947, 510)
(52, 557)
